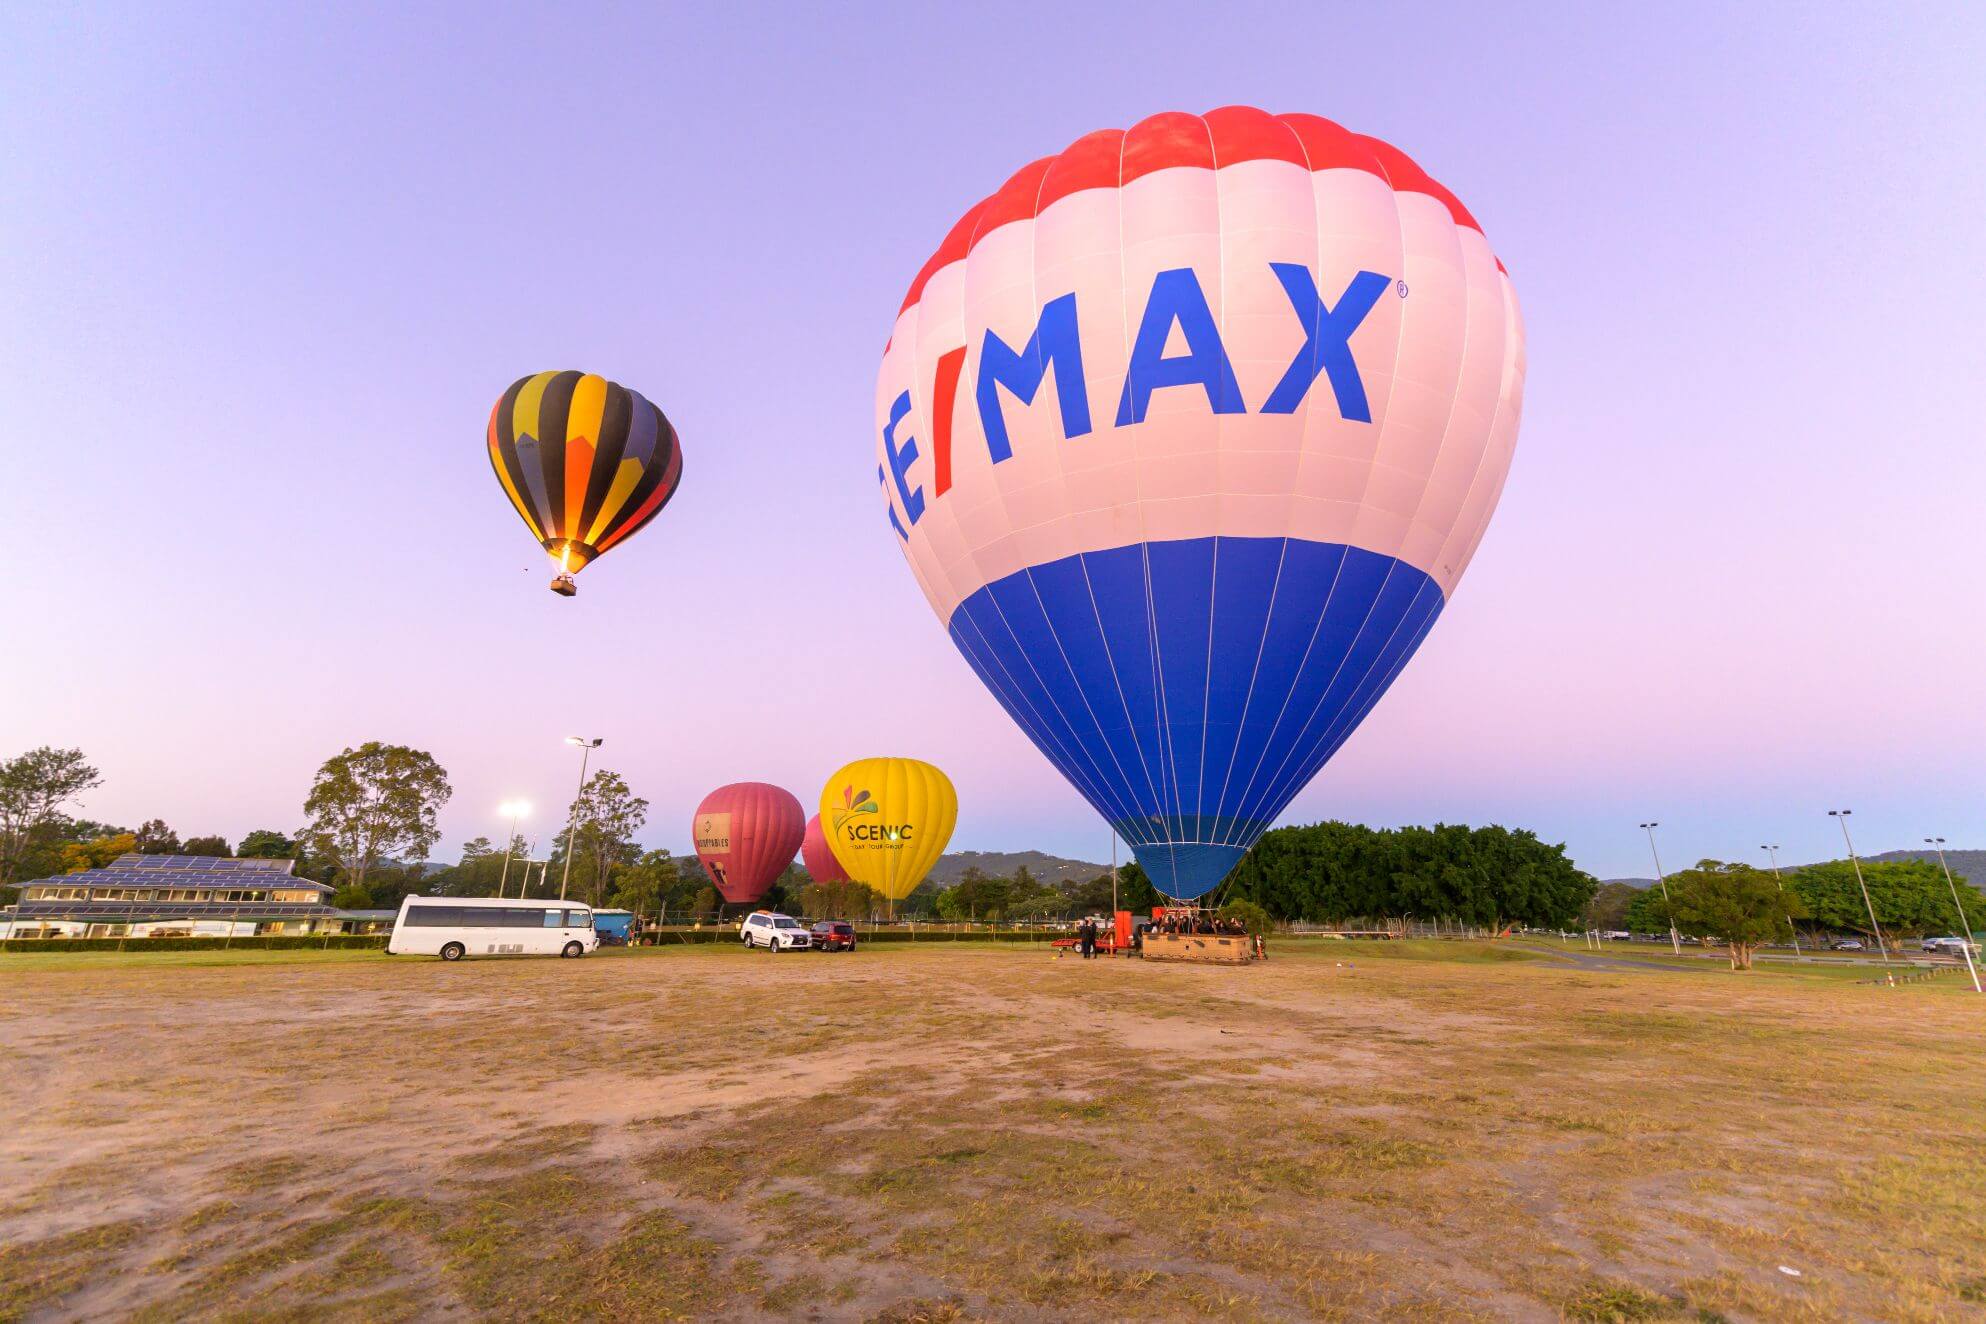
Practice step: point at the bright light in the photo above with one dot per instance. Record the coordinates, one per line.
(514, 809)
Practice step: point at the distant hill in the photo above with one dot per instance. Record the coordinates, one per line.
(1631, 882)
(1001, 864)
(1967, 865)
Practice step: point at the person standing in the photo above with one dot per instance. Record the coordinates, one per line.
(1087, 935)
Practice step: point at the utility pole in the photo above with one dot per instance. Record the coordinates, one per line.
(1964, 924)
(1773, 853)
(1675, 943)
(1841, 816)
(572, 822)
(516, 809)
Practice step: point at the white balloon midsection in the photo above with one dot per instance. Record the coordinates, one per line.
(1256, 351)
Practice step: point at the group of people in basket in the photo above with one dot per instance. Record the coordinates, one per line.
(1091, 932)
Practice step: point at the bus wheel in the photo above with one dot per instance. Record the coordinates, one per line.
(573, 949)
(454, 951)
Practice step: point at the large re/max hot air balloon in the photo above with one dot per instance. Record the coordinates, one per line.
(818, 856)
(746, 834)
(587, 462)
(1187, 434)
(887, 821)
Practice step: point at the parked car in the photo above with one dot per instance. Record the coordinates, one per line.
(1847, 945)
(1952, 946)
(834, 935)
(774, 932)
(1618, 935)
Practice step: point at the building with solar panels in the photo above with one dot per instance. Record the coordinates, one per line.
(182, 896)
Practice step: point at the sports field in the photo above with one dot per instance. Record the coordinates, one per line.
(1415, 1130)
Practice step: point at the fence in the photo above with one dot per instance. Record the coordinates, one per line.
(335, 941)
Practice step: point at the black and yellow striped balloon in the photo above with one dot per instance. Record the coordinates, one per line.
(587, 462)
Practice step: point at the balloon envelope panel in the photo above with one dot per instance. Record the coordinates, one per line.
(1187, 433)
(586, 462)
(746, 834)
(888, 820)
(818, 856)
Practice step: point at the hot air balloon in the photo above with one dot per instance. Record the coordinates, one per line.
(818, 856)
(887, 821)
(746, 834)
(1187, 434)
(587, 463)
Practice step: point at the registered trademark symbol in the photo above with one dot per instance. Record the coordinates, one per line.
(1402, 286)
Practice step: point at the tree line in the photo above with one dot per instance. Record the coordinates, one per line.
(372, 811)
(1747, 906)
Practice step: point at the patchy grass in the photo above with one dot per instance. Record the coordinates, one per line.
(1434, 1129)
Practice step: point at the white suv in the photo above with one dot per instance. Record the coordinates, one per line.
(774, 932)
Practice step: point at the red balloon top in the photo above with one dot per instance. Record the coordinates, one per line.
(819, 856)
(746, 834)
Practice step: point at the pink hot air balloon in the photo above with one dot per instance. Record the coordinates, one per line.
(819, 858)
(746, 834)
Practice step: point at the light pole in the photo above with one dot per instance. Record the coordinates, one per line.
(1841, 816)
(572, 823)
(1675, 943)
(513, 810)
(1773, 852)
(1964, 924)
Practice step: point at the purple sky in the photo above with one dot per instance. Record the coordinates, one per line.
(263, 271)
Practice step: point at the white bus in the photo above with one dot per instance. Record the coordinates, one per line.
(453, 927)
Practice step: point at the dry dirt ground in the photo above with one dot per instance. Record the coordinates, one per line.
(1430, 1131)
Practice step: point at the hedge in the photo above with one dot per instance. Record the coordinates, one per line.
(273, 942)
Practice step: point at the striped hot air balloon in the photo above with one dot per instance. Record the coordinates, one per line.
(587, 462)
(1188, 433)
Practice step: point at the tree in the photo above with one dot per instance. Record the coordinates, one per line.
(373, 802)
(643, 887)
(1608, 908)
(1088, 897)
(1030, 899)
(155, 838)
(33, 789)
(1910, 897)
(1736, 902)
(264, 844)
(1252, 917)
(1135, 891)
(206, 846)
(975, 896)
(96, 853)
(605, 818)
(843, 899)
(1647, 912)
(1493, 875)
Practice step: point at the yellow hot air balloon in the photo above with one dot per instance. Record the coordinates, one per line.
(888, 821)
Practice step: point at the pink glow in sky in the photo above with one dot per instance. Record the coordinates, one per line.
(263, 272)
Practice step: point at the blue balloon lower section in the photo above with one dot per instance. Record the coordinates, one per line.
(1190, 689)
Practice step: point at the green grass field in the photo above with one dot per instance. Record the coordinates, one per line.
(1417, 1130)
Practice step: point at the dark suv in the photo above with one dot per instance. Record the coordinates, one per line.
(834, 935)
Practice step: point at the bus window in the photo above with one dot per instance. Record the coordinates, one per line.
(553, 919)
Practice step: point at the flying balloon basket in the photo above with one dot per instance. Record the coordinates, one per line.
(587, 463)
